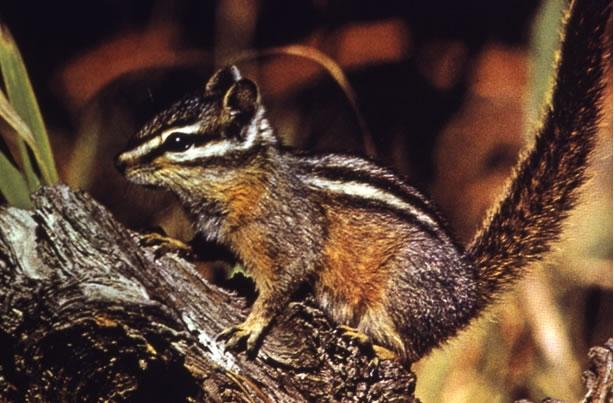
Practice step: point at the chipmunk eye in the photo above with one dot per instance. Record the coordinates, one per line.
(177, 142)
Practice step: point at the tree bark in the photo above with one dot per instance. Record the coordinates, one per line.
(86, 314)
(597, 378)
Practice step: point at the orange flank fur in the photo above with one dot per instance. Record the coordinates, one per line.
(373, 249)
(249, 243)
(355, 256)
(242, 197)
(246, 234)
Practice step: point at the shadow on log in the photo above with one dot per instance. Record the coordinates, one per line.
(86, 314)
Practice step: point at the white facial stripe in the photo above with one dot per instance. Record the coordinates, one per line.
(189, 129)
(217, 148)
(254, 128)
(366, 191)
(142, 149)
(158, 140)
(214, 149)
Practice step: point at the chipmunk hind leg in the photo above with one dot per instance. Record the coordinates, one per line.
(431, 299)
(379, 326)
(377, 332)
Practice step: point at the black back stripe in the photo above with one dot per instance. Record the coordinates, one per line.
(385, 183)
(385, 208)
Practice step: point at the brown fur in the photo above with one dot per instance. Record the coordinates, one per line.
(355, 277)
(389, 269)
(246, 235)
(354, 259)
(546, 182)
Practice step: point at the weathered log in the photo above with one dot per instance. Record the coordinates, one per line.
(598, 377)
(87, 314)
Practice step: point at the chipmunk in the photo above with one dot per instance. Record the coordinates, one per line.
(376, 252)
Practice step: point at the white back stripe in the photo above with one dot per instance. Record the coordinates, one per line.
(369, 192)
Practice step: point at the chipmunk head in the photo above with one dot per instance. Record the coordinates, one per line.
(199, 140)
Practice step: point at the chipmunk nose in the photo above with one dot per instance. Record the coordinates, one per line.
(120, 163)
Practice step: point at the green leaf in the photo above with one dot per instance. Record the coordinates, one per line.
(20, 129)
(13, 186)
(31, 179)
(21, 97)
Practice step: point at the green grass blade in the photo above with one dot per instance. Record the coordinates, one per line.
(26, 165)
(20, 130)
(10, 116)
(6, 65)
(13, 186)
(21, 96)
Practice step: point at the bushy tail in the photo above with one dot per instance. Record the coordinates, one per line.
(546, 181)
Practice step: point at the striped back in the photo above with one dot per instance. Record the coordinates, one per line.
(365, 183)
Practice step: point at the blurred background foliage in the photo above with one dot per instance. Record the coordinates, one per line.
(26, 159)
(449, 91)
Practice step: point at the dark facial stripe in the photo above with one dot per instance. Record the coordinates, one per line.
(199, 140)
(231, 159)
(139, 140)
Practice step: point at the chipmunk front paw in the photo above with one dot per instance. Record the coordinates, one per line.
(245, 332)
(162, 244)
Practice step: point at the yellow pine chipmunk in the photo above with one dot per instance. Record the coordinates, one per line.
(374, 250)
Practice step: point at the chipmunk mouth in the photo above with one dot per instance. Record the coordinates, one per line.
(141, 176)
(134, 173)
(151, 186)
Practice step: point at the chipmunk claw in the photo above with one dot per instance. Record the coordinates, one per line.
(236, 335)
(354, 335)
(162, 244)
(379, 353)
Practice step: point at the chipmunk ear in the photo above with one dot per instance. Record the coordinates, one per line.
(222, 80)
(242, 98)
